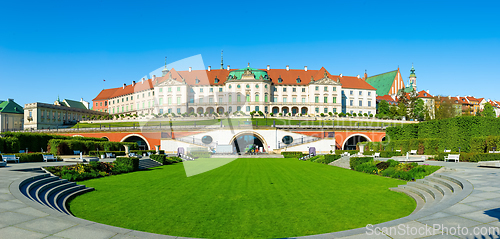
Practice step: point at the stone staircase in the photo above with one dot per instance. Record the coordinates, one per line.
(51, 191)
(148, 163)
(433, 191)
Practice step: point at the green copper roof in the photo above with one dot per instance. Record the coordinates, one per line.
(408, 89)
(412, 72)
(74, 104)
(382, 82)
(11, 107)
(236, 74)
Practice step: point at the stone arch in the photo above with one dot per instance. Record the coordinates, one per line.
(105, 137)
(199, 110)
(137, 135)
(258, 136)
(220, 110)
(276, 110)
(295, 110)
(354, 136)
(191, 110)
(303, 110)
(210, 110)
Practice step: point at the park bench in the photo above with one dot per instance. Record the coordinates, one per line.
(110, 155)
(3, 163)
(447, 150)
(376, 155)
(76, 152)
(48, 157)
(398, 150)
(10, 157)
(454, 157)
(414, 151)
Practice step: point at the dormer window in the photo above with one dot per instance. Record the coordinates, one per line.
(197, 81)
(216, 80)
(298, 79)
(280, 80)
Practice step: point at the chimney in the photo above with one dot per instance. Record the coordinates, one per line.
(366, 75)
(133, 83)
(268, 67)
(287, 68)
(154, 77)
(124, 85)
(305, 68)
(248, 64)
(190, 69)
(142, 80)
(228, 67)
(357, 76)
(340, 75)
(209, 68)
(427, 91)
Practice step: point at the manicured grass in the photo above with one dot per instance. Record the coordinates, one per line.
(257, 122)
(246, 198)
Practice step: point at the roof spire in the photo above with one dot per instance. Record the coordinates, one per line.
(165, 62)
(58, 98)
(221, 60)
(165, 70)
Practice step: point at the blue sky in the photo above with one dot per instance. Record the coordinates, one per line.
(67, 48)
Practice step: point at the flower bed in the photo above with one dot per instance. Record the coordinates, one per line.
(392, 168)
(91, 170)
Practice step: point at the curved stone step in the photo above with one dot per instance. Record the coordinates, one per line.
(420, 202)
(24, 184)
(436, 194)
(72, 195)
(49, 196)
(428, 199)
(456, 181)
(454, 188)
(33, 186)
(59, 197)
(41, 191)
(445, 191)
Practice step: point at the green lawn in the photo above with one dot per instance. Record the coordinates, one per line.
(246, 198)
(256, 122)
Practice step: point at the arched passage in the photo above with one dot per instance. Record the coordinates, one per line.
(351, 141)
(139, 139)
(245, 142)
(104, 137)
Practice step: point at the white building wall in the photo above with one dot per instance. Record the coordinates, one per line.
(365, 96)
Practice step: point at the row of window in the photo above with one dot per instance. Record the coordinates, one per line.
(170, 89)
(124, 99)
(351, 103)
(360, 92)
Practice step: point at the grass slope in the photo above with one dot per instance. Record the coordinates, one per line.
(247, 198)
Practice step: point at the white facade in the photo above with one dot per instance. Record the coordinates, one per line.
(359, 101)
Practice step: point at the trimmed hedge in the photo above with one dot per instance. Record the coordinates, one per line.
(328, 158)
(163, 159)
(30, 157)
(9, 145)
(99, 153)
(131, 162)
(66, 147)
(141, 152)
(452, 133)
(470, 157)
(292, 154)
(394, 169)
(91, 170)
(37, 141)
(355, 161)
(384, 154)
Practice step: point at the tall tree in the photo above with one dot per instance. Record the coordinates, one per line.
(418, 110)
(412, 104)
(488, 111)
(445, 108)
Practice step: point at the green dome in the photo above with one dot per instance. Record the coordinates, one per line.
(236, 74)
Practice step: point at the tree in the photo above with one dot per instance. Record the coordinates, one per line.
(445, 109)
(383, 108)
(418, 110)
(412, 105)
(402, 108)
(489, 111)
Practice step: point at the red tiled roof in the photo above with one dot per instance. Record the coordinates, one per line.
(104, 94)
(129, 89)
(387, 98)
(424, 94)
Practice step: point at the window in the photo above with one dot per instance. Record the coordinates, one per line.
(361, 112)
(256, 98)
(201, 90)
(161, 89)
(360, 92)
(294, 89)
(284, 99)
(334, 100)
(257, 108)
(326, 88)
(257, 86)
(149, 93)
(316, 99)
(161, 101)
(334, 88)
(169, 110)
(248, 108)
(294, 99)
(238, 108)
(369, 113)
(122, 99)
(317, 110)
(123, 108)
(369, 93)
(316, 88)
(360, 103)
(127, 107)
(96, 104)
(325, 110)
(369, 103)
(201, 100)
(284, 89)
(178, 100)
(143, 104)
(169, 89)
(220, 89)
(325, 99)
(280, 80)
(248, 86)
(303, 89)
(127, 99)
(216, 80)
(137, 107)
(178, 110)
(238, 98)
(211, 89)
(352, 92)
(298, 80)
(149, 104)
(178, 89)
(275, 99)
(161, 111)
(220, 99)
(248, 98)
(197, 81)
(230, 98)
(210, 100)
(230, 86)
(131, 97)
(100, 103)
(275, 89)
(191, 100)
(303, 100)
(169, 100)
(238, 86)
(334, 110)
(266, 98)
(350, 102)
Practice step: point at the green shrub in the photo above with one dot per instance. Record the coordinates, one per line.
(367, 167)
(30, 157)
(470, 157)
(328, 158)
(66, 147)
(349, 151)
(384, 154)
(35, 142)
(355, 161)
(132, 163)
(11, 145)
(142, 152)
(164, 160)
(99, 153)
(292, 154)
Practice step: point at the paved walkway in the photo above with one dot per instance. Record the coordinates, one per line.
(22, 218)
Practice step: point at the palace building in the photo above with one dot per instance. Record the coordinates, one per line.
(285, 91)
